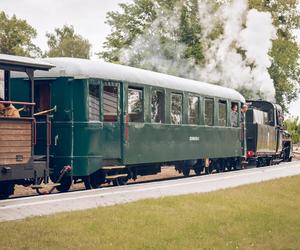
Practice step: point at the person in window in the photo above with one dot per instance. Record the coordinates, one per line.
(244, 110)
(8, 110)
(234, 115)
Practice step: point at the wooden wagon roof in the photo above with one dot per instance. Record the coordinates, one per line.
(20, 63)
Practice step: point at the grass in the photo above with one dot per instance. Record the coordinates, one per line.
(260, 216)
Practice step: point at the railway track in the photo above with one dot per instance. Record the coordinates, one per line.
(168, 173)
(19, 208)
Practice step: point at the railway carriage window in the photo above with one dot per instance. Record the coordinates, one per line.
(94, 102)
(222, 113)
(110, 103)
(260, 117)
(209, 111)
(157, 107)
(176, 109)
(135, 105)
(193, 111)
(271, 117)
(234, 115)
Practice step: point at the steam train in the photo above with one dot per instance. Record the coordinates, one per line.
(99, 123)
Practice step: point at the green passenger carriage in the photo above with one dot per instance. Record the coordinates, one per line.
(115, 122)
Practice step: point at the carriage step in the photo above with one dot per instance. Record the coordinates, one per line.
(244, 162)
(112, 167)
(39, 157)
(44, 186)
(112, 177)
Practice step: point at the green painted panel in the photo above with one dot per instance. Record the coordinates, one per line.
(162, 143)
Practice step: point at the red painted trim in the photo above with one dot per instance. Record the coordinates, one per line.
(34, 131)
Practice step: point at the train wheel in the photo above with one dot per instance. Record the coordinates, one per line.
(97, 178)
(199, 167)
(259, 163)
(218, 167)
(228, 165)
(198, 170)
(120, 181)
(65, 184)
(6, 189)
(209, 169)
(186, 171)
(87, 182)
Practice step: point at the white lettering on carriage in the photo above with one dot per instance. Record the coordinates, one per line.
(194, 138)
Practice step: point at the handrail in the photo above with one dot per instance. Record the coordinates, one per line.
(46, 111)
(20, 103)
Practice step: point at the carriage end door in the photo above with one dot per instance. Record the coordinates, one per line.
(111, 117)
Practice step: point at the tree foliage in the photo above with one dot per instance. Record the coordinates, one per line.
(16, 37)
(285, 69)
(65, 42)
(126, 26)
(190, 32)
(293, 126)
(135, 18)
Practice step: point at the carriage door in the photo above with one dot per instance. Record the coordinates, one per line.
(42, 94)
(279, 119)
(111, 109)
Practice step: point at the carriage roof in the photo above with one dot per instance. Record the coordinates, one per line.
(85, 69)
(20, 63)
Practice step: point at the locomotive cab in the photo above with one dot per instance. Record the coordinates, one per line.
(264, 133)
(18, 162)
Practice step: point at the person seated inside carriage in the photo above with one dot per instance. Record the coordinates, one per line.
(8, 110)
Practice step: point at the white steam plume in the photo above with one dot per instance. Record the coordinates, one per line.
(238, 58)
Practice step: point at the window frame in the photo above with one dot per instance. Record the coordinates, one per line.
(224, 102)
(138, 88)
(238, 114)
(94, 83)
(213, 111)
(182, 101)
(111, 84)
(163, 105)
(198, 107)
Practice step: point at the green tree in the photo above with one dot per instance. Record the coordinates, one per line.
(285, 69)
(126, 26)
(190, 31)
(16, 37)
(135, 18)
(65, 42)
(293, 126)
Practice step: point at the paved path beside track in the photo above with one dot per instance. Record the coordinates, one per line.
(20, 208)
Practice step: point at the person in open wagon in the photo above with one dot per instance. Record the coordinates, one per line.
(8, 110)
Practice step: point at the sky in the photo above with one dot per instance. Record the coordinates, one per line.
(88, 18)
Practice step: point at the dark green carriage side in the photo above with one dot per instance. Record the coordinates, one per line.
(88, 145)
(154, 142)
